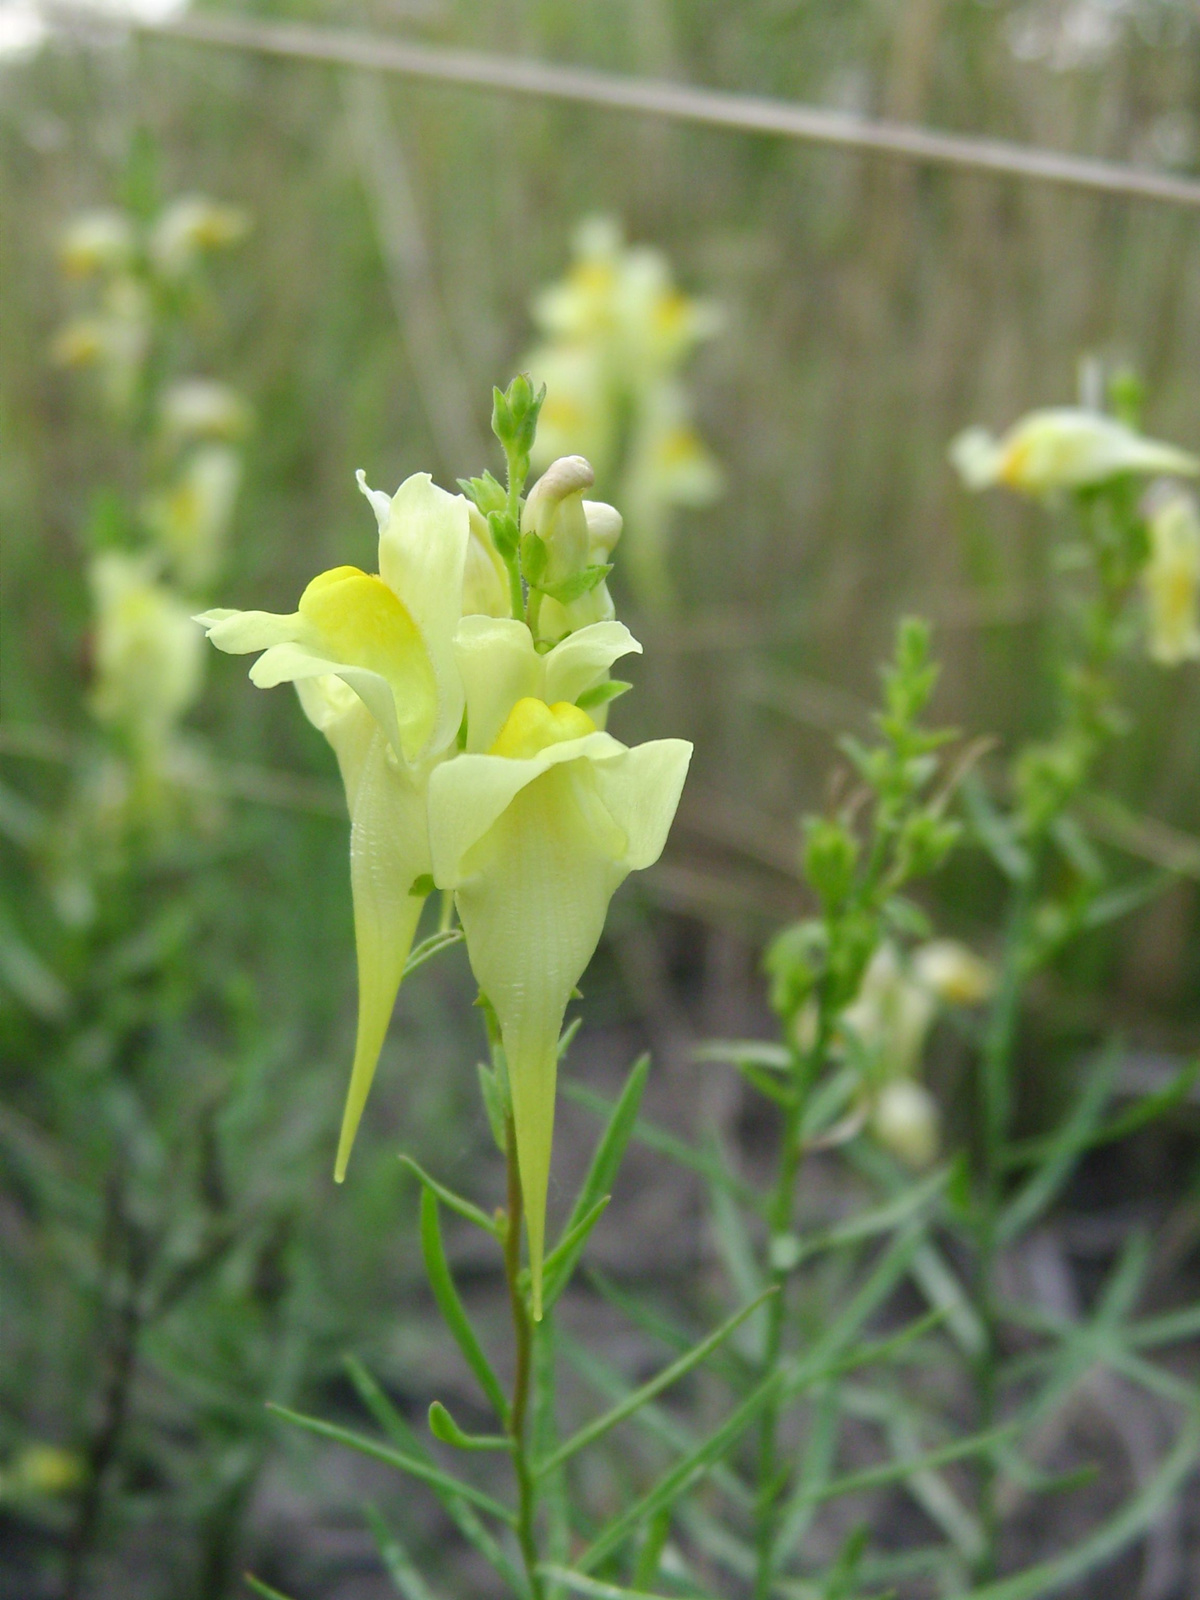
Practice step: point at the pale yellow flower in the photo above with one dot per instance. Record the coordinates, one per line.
(191, 227)
(1063, 447)
(1171, 579)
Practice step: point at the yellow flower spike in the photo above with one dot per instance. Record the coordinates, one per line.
(1063, 447)
(1172, 580)
(534, 838)
(500, 665)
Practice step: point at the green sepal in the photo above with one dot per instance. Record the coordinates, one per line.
(495, 1102)
(485, 492)
(422, 886)
(601, 694)
(506, 535)
(578, 584)
(534, 557)
(444, 1428)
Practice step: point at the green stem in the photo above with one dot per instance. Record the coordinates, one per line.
(779, 1220)
(995, 1086)
(523, 1337)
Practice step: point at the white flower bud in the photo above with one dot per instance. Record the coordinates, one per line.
(906, 1121)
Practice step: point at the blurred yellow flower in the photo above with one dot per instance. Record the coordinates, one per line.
(1171, 579)
(41, 1469)
(148, 661)
(190, 520)
(190, 228)
(615, 336)
(96, 242)
(1063, 447)
(198, 408)
(906, 1120)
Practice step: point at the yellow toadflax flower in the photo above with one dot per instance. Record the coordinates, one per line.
(191, 519)
(1063, 447)
(1172, 579)
(534, 836)
(192, 227)
(148, 656)
(96, 242)
(372, 658)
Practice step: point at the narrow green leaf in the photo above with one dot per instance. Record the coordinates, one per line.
(600, 1426)
(1129, 897)
(613, 1142)
(560, 1263)
(453, 1313)
(1128, 1524)
(879, 1219)
(403, 1462)
(1063, 1151)
(681, 1477)
(757, 1052)
(895, 1471)
(262, 1588)
(406, 1580)
(580, 1583)
(1138, 1115)
(1166, 1329)
(993, 831)
(405, 1439)
(667, 1144)
(434, 945)
(656, 1423)
(444, 1428)
(453, 1202)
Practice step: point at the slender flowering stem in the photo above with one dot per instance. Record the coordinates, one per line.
(523, 1336)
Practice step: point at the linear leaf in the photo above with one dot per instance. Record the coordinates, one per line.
(879, 1219)
(669, 1375)
(452, 1201)
(614, 1141)
(444, 1428)
(580, 1583)
(1145, 1110)
(403, 1436)
(652, 1419)
(399, 1459)
(1129, 1523)
(560, 1263)
(667, 1144)
(453, 1313)
(263, 1589)
(1064, 1150)
(405, 1577)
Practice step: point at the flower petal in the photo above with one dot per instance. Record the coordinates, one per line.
(468, 794)
(389, 850)
(239, 632)
(499, 666)
(422, 553)
(533, 902)
(583, 659)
